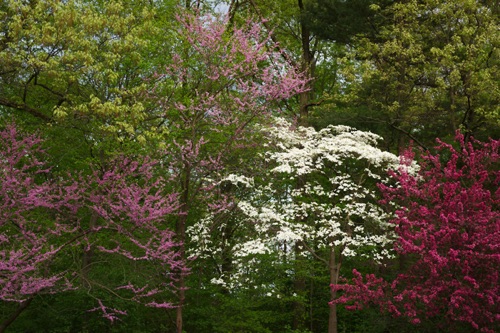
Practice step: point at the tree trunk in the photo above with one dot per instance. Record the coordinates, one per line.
(299, 286)
(88, 253)
(182, 296)
(334, 268)
(22, 306)
(181, 238)
(307, 66)
(87, 257)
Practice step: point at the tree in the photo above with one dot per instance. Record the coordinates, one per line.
(288, 24)
(221, 81)
(44, 220)
(74, 58)
(428, 69)
(448, 221)
(141, 82)
(332, 216)
(341, 21)
(77, 71)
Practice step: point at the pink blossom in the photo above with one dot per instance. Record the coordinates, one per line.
(449, 220)
(40, 221)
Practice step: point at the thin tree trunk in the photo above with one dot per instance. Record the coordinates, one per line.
(181, 237)
(22, 306)
(87, 257)
(182, 221)
(300, 285)
(307, 64)
(311, 305)
(334, 268)
(88, 253)
(182, 297)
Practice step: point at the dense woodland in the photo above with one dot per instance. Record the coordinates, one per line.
(249, 166)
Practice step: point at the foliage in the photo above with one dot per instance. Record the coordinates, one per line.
(73, 58)
(76, 70)
(26, 248)
(336, 165)
(429, 68)
(342, 21)
(137, 100)
(221, 80)
(448, 221)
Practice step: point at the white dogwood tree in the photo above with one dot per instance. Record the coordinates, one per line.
(318, 200)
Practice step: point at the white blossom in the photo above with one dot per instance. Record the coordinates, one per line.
(238, 179)
(333, 208)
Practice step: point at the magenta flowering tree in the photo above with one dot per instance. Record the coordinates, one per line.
(448, 225)
(128, 213)
(27, 199)
(119, 211)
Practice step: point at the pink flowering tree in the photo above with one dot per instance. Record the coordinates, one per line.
(45, 220)
(448, 226)
(220, 82)
(27, 200)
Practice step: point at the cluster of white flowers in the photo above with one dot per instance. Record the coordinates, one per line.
(255, 246)
(334, 207)
(199, 233)
(335, 164)
(238, 180)
(306, 150)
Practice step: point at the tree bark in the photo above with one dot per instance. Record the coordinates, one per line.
(88, 253)
(299, 286)
(334, 268)
(181, 237)
(307, 66)
(23, 107)
(22, 306)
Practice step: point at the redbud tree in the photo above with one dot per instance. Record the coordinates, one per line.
(448, 224)
(221, 81)
(46, 220)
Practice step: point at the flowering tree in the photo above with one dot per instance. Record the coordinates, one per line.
(42, 220)
(220, 81)
(26, 228)
(333, 214)
(448, 220)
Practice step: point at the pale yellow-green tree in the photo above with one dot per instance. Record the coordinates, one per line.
(81, 63)
(432, 69)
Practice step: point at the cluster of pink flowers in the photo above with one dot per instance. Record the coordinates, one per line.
(448, 221)
(43, 216)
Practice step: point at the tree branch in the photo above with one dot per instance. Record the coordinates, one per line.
(273, 37)
(22, 306)
(23, 107)
(303, 243)
(409, 135)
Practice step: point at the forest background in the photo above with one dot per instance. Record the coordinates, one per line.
(207, 166)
